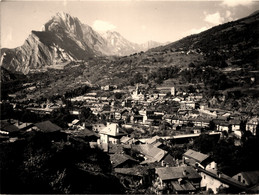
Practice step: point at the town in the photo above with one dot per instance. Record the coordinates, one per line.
(159, 140)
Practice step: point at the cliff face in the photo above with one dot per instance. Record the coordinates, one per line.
(61, 40)
(64, 38)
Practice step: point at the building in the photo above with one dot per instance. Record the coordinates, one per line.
(249, 178)
(187, 105)
(173, 91)
(122, 161)
(252, 124)
(214, 180)
(137, 95)
(135, 177)
(192, 157)
(8, 129)
(46, 127)
(111, 134)
(183, 179)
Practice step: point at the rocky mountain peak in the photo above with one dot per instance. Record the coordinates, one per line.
(63, 22)
(64, 38)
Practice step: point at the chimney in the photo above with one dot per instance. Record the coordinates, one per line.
(184, 172)
(180, 181)
(219, 174)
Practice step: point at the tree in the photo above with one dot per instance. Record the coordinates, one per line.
(86, 115)
(29, 116)
(6, 111)
(205, 143)
(38, 165)
(61, 117)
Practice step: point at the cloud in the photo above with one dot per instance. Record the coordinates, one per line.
(214, 19)
(228, 16)
(234, 3)
(100, 25)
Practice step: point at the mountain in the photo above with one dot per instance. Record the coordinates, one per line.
(64, 38)
(118, 45)
(150, 44)
(229, 50)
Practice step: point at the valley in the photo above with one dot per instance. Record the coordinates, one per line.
(80, 109)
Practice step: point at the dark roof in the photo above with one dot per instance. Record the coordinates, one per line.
(47, 126)
(118, 159)
(169, 160)
(224, 179)
(174, 173)
(254, 189)
(85, 133)
(183, 186)
(252, 177)
(135, 171)
(6, 126)
(116, 148)
(199, 157)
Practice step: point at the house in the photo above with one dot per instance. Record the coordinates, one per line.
(252, 124)
(125, 115)
(184, 179)
(111, 134)
(86, 134)
(98, 127)
(122, 161)
(135, 177)
(74, 123)
(153, 140)
(136, 118)
(23, 126)
(201, 122)
(215, 180)
(192, 157)
(221, 125)
(149, 118)
(117, 115)
(8, 129)
(249, 178)
(234, 125)
(187, 105)
(153, 154)
(126, 140)
(46, 127)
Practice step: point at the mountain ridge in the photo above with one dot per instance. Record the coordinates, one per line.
(64, 38)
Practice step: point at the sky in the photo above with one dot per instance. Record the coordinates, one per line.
(136, 20)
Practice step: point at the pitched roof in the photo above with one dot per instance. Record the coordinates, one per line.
(6, 126)
(47, 126)
(135, 171)
(223, 178)
(118, 159)
(152, 154)
(184, 186)
(199, 157)
(125, 139)
(85, 133)
(252, 177)
(169, 160)
(174, 173)
(152, 140)
(117, 148)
